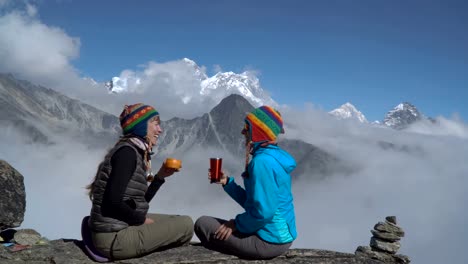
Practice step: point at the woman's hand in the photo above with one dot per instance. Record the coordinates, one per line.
(165, 171)
(224, 179)
(225, 230)
(148, 221)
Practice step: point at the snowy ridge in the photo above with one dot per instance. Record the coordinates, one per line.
(244, 84)
(402, 115)
(217, 87)
(198, 72)
(348, 111)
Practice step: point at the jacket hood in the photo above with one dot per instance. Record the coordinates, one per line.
(284, 159)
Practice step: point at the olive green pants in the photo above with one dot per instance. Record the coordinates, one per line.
(134, 241)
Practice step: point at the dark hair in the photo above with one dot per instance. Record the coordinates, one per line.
(90, 187)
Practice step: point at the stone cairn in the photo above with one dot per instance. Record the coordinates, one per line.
(385, 242)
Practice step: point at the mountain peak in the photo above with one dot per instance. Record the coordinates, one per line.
(233, 101)
(189, 61)
(199, 73)
(348, 111)
(404, 105)
(245, 84)
(402, 115)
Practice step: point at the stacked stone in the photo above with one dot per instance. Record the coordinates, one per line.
(385, 242)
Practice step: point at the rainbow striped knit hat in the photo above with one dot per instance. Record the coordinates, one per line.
(134, 119)
(265, 123)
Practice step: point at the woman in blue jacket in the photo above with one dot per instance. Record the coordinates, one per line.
(267, 228)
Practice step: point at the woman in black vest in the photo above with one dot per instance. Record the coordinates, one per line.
(120, 224)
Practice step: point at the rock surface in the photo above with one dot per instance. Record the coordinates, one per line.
(389, 228)
(391, 237)
(391, 219)
(390, 247)
(27, 237)
(69, 252)
(13, 196)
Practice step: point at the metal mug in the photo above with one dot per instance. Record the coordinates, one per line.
(215, 169)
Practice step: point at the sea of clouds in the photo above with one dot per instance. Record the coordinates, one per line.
(419, 175)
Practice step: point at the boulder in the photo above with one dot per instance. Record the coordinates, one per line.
(13, 201)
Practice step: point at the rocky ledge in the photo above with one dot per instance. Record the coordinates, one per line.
(70, 252)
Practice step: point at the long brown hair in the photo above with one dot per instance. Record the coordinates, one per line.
(90, 187)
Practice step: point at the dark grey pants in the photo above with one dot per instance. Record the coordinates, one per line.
(238, 244)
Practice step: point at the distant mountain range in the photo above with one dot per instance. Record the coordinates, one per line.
(400, 117)
(247, 85)
(37, 113)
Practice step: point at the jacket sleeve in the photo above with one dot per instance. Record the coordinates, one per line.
(153, 188)
(262, 199)
(236, 192)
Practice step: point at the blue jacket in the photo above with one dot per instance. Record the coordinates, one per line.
(267, 198)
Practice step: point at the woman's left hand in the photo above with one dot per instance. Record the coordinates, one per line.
(225, 230)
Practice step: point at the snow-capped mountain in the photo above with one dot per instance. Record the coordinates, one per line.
(245, 84)
(199, 73)
(348, 111)
(402, 115)
(216, 87)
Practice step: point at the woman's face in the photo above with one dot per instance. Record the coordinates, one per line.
(154, 129)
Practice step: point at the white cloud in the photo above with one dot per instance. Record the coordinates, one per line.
(42, 54)
(31, 10)
(33, 50)
(172, 87)
(442, 127)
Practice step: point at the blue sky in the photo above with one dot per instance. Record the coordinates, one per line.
(374, 54)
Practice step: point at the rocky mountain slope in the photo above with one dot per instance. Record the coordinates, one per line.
(36, 112)
(220, 128)
(402, 115)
